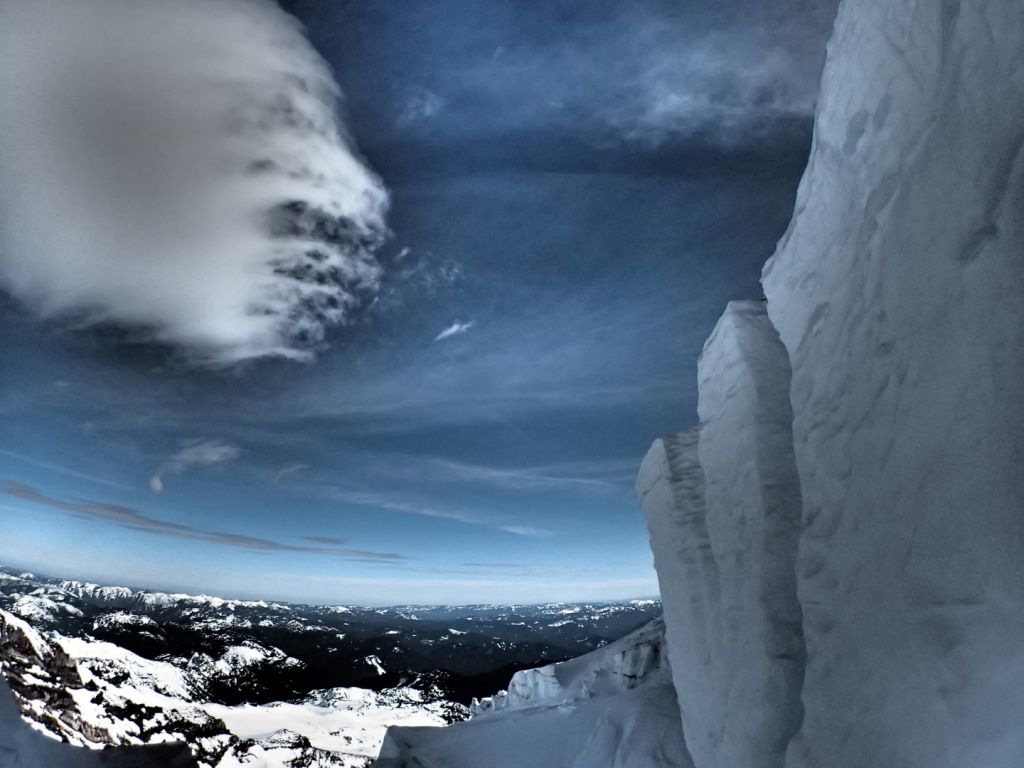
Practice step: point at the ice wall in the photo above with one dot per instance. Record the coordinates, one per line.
(723, 507)
(899, 294)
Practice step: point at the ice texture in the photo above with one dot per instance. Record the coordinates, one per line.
(612, 708)
(899, 294)
(722, 504)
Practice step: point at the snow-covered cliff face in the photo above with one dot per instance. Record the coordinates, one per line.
(897, 295)
(723, 507)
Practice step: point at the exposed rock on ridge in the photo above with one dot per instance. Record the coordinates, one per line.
(22, 747)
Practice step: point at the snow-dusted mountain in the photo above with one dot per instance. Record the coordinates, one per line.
(256, 652)
(23, 747)
(267, 684)
(95, 694)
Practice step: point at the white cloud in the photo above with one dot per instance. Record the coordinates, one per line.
(177, 168)
(722, 83)
(455, 329)
(198, 452)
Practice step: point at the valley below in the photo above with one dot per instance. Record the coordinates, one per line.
(269, 684)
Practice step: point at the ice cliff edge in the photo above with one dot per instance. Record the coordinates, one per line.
(722, 503)
(852, 594)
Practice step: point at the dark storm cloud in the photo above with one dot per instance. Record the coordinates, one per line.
(133, 519)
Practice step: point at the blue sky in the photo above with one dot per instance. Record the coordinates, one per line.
(576, 191)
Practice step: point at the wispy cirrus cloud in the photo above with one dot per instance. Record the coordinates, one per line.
(136, 520)
(329, 540)
(525, 530)
(597, 476)
(62, 470)
(197, 452)
(393, 503)
(455, 329)
(287, 471)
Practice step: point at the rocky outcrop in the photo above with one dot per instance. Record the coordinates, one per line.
(23, 747)
(723, 507)
(896, 294)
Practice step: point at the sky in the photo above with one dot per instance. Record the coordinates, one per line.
(374, 302)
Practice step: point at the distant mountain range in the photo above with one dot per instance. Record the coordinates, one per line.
(262, 683)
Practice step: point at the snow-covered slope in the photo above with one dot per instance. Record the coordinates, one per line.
(723, 506)
(612, 708)
(23, 747)
(94, 694)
